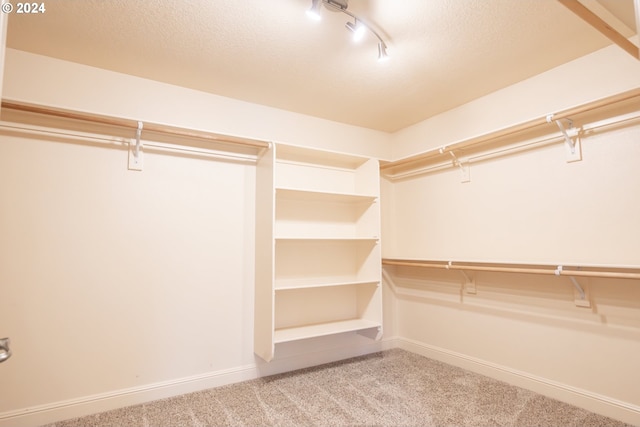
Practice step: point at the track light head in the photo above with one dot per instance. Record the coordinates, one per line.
(314, 11)
(357, 29)
(382, 51)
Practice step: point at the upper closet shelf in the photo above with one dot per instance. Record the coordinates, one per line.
(458, 154)
(156, 136)
(311, 157)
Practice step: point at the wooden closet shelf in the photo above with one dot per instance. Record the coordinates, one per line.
(322, 196)
(295, 284)
(557, 270)
(133, 124)
(444, 152)
(322, 329)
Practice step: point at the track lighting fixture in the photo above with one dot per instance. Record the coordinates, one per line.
(382, 51)
(358, 27)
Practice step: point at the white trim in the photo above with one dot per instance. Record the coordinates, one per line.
(87, 405)
(240, 154)
(585, 399)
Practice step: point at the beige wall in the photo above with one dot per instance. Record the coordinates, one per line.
(98, 259)
(529, 206)
(113, 279)
(43, 80)
(120, 286)
(594, 76)
(525, 330)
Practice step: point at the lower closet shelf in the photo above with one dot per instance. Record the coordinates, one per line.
(322, 329)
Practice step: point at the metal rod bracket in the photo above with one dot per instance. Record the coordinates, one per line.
(469, 284)
(464, 167)
(574, 148)
(581, 298)
(135, 150)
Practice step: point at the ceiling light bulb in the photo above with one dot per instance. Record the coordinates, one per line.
(358, 30)
(382, 52)
(314, 11)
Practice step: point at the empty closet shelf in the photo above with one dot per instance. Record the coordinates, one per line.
(291, 284)
(322, 329)
(323, 196)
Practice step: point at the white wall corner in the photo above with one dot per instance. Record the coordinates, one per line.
(584, 399)
(603, 73)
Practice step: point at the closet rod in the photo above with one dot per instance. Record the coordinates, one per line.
(521, 127)
(525, 270)
(132, 124)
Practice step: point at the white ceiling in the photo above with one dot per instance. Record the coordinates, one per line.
(443, 52)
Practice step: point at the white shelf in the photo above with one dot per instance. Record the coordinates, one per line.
(372, 239)
(326, 260)
(311, 157)
(308, 283)
(322, 329)
(316, 214)
(298, 194)
(322, 172)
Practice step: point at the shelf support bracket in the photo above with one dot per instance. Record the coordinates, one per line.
(581, 299)
(469, 284)
(464, 168)
(135, 151)
(574, 150)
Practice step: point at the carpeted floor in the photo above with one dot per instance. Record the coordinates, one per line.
(391, 388)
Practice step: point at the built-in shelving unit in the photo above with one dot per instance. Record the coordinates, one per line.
(317, 246)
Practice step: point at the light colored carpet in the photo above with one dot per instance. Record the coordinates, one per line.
(391, 388)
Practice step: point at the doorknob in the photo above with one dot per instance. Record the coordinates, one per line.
(5, 351)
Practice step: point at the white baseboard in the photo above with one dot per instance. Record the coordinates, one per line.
(50, 413)
(593, 402)
(87, 405)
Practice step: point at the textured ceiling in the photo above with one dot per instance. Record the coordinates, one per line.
(443, 52)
